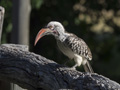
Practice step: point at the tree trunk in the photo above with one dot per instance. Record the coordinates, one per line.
(20, 33)
(2, 11)
(21, 15)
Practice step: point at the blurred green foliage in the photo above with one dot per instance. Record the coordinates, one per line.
(36, 3)
(96, 21)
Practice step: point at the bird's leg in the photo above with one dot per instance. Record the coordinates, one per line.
(78, 61)
(74, 67)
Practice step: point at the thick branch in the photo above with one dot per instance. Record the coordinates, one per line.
(35, 72)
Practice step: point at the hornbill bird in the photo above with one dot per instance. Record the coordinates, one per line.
(70, 45)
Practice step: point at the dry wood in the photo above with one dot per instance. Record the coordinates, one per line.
(35, 72)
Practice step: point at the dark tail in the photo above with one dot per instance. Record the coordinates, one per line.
(88, 67)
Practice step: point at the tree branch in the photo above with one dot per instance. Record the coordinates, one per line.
(35, 72)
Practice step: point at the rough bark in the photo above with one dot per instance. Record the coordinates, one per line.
(35, 72)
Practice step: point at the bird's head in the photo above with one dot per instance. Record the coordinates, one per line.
(53, 28)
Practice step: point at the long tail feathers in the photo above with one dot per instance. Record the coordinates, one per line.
(88, 67)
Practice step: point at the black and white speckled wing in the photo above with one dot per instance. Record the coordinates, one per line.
(78, 46)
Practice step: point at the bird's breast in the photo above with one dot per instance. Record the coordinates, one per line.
(65, 49)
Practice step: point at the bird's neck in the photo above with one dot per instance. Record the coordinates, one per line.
(62, 36)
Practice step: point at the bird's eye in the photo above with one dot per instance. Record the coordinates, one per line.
(51, 27)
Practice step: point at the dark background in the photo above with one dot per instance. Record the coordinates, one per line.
(95, 21)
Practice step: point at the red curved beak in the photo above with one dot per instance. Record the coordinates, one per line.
(40, 34)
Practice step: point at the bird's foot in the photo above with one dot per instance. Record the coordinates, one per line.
(74, 67)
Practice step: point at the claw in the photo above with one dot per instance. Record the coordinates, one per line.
(74, 67)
